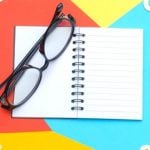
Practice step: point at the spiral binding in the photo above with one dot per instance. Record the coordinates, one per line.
(78, 72)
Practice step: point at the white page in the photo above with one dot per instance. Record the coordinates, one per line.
(53, 96)
(113, 73)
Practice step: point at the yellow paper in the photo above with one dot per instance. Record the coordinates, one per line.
(45, 140)
(105, 12)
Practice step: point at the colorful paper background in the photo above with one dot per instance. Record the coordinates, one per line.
(98, 134)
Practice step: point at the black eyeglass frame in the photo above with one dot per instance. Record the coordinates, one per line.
(23, 65)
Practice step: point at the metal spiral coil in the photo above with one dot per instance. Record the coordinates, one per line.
(78, 72)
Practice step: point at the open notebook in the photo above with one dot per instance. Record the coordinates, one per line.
(111, 71)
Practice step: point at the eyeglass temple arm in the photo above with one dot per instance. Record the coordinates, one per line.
(58, 11)
(36, 45)
(32, 51)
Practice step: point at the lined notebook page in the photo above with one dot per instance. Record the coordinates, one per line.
(113, 73)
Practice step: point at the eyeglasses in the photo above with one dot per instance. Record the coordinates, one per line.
(26, 78)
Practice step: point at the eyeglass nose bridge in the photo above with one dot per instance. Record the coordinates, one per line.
(44, 67)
